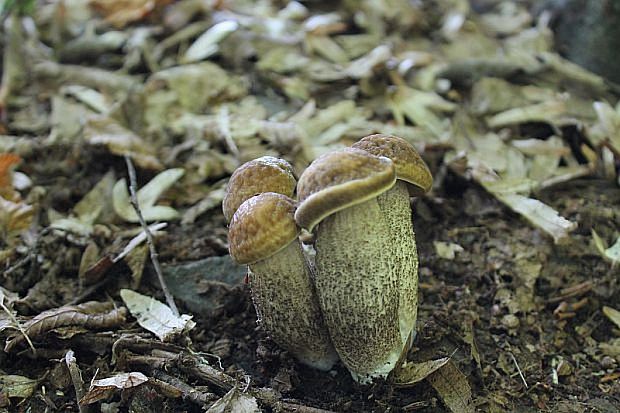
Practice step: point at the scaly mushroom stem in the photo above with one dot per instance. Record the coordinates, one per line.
(287, 308)
(413, 179)
(357, 287)
(263, 234)
(394, 204)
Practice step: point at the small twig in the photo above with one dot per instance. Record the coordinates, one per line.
(17, 323)
(149, 237)
(218, 380)
(519, 369)
(188, 392)
(298, 408)
(76, 378)
(572, 291)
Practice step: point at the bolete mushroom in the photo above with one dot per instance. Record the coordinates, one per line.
(264, 174)
(413, 178)
(263, 234)
(356, 281)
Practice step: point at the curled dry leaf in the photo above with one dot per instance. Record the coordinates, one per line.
(453, 388)
(411, 373)
(102, 388)
(89, 315)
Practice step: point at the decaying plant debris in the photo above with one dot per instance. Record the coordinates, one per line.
(518, 240)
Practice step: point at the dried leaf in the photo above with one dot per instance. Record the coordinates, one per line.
(212, 200)
(7, 162)
(147, 196)
(419, 107)
(235, 401)
(611, 348)
(207, 44)
(608, 126)
(453, 388)
(95, 272)
(101, 388)
(90, 97)
(90, 257)
(192, 87)
(17, 386)
(282, 60)
(539, 214)
(88, 210)
(136, 260)
(14, 217)
(89, 315)
(612, 253)
(363, 67)
(327, 48)
(411, 373)
(119, 140)
(447, 250)
(156, 317)
(613, 315)
(536, 113)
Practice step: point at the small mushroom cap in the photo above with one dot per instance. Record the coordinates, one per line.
(410, 167)
(262, 226)
(338, 180)
(265, 174)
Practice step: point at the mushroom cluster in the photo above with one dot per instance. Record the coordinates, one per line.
(358, 301)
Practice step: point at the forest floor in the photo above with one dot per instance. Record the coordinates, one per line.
(518, 240)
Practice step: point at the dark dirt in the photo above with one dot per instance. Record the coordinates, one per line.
(463, 307)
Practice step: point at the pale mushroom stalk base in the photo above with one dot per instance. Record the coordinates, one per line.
(287, 308)
(358, 289)
(395, 206)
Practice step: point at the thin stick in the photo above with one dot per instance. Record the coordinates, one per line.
(519, 370)
(149, 237)
(188, 392)
(17, 323)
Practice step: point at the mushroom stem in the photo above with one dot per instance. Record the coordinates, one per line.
(396, 209)
(287, 308)
(358, 289)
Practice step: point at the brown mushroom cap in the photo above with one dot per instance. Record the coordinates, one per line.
(265, 174)
(262, 226)
(410, 167)
(340, 179)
